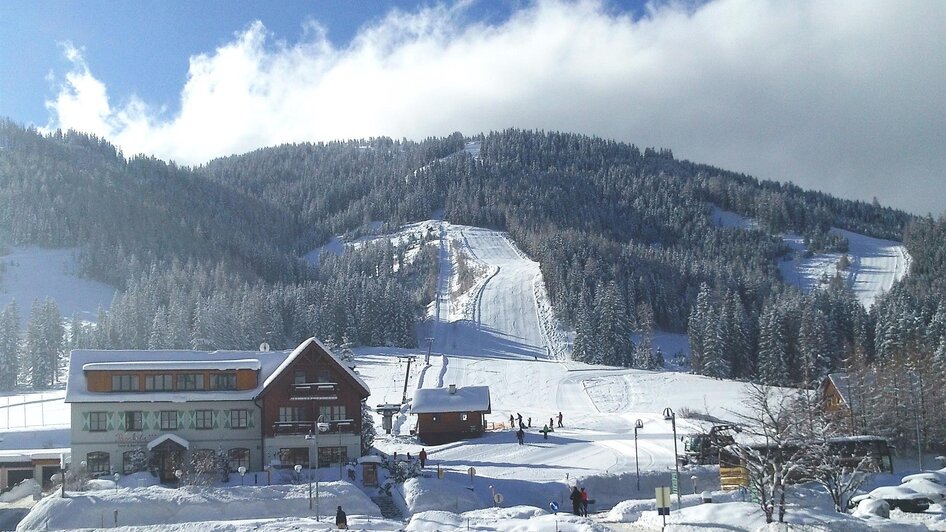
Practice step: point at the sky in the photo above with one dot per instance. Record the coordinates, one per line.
(843, 96)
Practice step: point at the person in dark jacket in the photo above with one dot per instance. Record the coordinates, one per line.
(521, 436)
(423, 457)
(576, 500)
(341, 520)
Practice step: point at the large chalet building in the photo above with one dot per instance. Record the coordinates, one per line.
(256, 407)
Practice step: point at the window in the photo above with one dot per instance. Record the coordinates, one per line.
(204, 419)
(96, 463)
(190, 381)
(325, 376)
(223, 381)
(332, 455)
(239, 419)
(298, 377)
(464, 417)
(288, 414)
(238, 457)
(294, 456)
(133, 421)
(168, 420)
(332, 412)
(159, 383)
(98, 421)
(133, 461)
(124, 383)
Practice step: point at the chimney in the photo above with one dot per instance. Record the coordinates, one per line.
(453, 389)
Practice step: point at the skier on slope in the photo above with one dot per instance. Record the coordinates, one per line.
(576, 500)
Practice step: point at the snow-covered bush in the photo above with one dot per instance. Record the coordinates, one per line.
(872, 508)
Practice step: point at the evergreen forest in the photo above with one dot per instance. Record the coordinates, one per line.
(210, 257)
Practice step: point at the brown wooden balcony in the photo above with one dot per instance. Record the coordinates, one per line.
(327, 391)
(290, 428)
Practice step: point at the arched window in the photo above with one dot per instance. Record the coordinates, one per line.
(97, 463)
(238, 457)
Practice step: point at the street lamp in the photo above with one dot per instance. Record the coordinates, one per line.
(116, 477)
(670, 416)
(637, 425)
(178, 473)
(242, 471)
(320, 426)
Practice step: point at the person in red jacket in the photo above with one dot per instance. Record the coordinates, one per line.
(584, 502)
(423, 457)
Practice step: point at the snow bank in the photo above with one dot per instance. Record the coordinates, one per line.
(516, 518)
(156, 505)
(25, 488)
(425, 494)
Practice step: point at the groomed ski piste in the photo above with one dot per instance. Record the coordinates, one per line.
(498, 332)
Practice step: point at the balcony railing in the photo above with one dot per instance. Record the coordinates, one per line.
(335, 426)
(314, 390)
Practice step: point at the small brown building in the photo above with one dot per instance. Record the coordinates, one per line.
(450, 414)
(835, 397)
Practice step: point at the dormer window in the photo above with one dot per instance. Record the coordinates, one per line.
(298, 377)
(190, 381)
(124, 383)
(223, 381)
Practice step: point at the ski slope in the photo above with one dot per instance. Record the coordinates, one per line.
(876, 264)
(500, 338)
(33, 273)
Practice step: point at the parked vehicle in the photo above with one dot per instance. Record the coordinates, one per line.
(898, 497)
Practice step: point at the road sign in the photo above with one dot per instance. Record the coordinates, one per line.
(663, 500)
(674, 483)
(554, 507)
(498, 498)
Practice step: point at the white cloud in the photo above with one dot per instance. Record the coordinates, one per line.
(842, 96)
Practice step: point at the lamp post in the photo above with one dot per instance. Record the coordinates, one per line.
(319, 426)
(116, 477)
(637, 425)
(178, 473)
(670, 416)
(242, 471)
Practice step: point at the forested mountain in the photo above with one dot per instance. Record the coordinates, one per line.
(208, 257)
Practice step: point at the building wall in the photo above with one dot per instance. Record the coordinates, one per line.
(448, 426)
(272, 446)
(116, 440)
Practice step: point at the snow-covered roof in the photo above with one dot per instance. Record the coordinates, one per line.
(167, 436)
(299, 350)
(466, 399)
(150, 365)
(840, 381)
(28, 455)
(80, 360)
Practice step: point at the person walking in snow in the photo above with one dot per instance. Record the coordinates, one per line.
(584, 502)
(341, 520)
(551, 425)
(560, 421)
(530, 423)
(423, 457)
(521, 436)
(519, 418)
(576, 500)
(545, 432)
(512, 421)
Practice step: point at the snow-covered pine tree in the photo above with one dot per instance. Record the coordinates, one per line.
(772, 368)
(9, 346)
(367, 429)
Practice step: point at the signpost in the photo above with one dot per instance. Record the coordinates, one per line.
(472, 472)
(674, 482)
(663, 502)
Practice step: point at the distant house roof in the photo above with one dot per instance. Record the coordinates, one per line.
(269, 364)
(437, 400)
(841, 383)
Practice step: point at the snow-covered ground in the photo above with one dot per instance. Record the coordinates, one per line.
(876, 264)
(493, 333)
(31, 273)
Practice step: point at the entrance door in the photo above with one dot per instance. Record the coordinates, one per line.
(167, 462)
